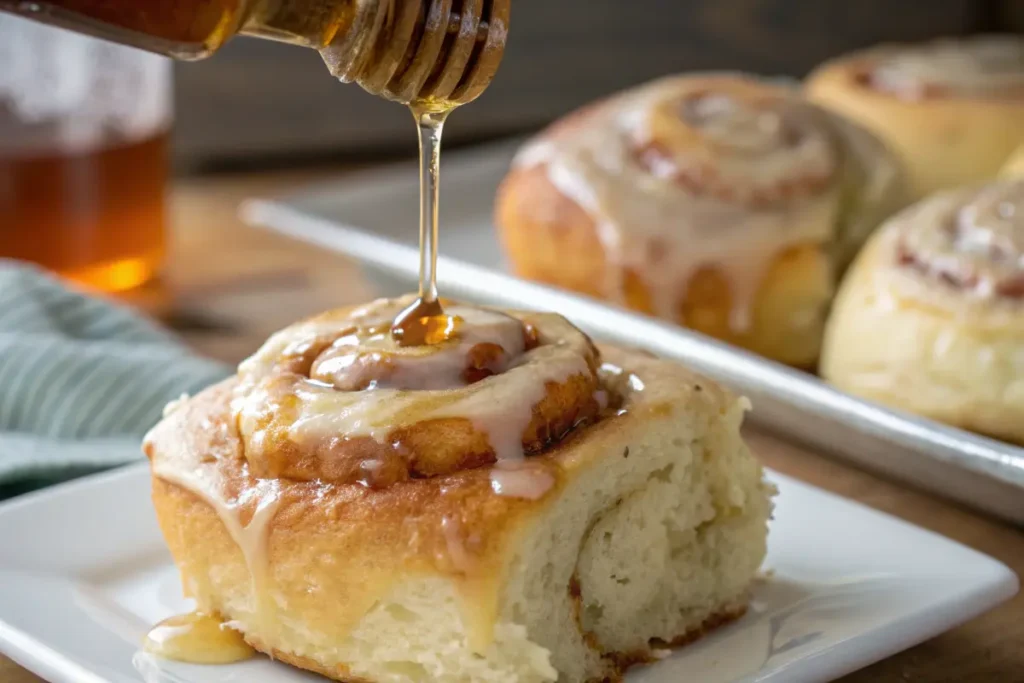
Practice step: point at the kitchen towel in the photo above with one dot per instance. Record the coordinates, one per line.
(81, 379)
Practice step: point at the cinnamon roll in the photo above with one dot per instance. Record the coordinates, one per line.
(507, 503)
(930, 318)
(952, 109)
(723, 202)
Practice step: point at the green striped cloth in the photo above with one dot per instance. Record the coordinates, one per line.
(81, 380)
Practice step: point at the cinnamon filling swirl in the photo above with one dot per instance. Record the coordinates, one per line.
(985, 67)
(739, 147)
(969, 240)
(338, 399)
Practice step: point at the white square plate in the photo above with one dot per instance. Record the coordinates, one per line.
(84, 573)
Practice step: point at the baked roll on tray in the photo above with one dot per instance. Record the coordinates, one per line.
(510, 504)
(953, 109)
(721, 201)
(930, 318)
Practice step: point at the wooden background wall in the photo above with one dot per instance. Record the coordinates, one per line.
(258, 102)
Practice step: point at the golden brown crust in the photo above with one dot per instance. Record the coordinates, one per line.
(539, 226)
(212, 444)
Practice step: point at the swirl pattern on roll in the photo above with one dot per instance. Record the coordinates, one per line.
(984, 67)
(719, 172)
(969, 242)
(930, 318)
(335, 398)
(737, 145)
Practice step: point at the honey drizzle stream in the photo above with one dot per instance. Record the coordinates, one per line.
(414, 325)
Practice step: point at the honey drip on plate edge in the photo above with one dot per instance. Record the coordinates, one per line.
(425, 322)
(197, 638)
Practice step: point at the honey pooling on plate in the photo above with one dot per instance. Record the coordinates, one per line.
(197, 638)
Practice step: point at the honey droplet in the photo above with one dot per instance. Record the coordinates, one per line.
(424, 323)
(197, 638)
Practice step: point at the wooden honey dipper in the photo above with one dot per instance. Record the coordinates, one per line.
(439, 52)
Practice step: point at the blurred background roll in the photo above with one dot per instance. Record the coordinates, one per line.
(952, 108)
(929, 320)
(724, 202)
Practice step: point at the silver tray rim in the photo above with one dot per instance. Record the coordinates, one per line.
(980, 472)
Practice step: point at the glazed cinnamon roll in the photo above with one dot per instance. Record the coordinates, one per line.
(506, 503)
(930, 318)
(952, 109)
(720, 201)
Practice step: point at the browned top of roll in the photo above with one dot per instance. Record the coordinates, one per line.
(336, 398)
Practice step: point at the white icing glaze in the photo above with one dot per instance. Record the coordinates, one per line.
(499, 406)
(967, 242)
(521, 480)
(507, 413)
(983, 66)
(252, 538)
(772, 168)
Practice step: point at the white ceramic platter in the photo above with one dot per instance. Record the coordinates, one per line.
(373, 218)
(84, 573)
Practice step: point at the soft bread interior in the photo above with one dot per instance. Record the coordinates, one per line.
(418, 634)
(654, 541)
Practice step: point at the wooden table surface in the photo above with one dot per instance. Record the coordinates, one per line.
(227, 287)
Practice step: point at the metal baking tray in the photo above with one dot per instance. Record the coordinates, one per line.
(373, 217)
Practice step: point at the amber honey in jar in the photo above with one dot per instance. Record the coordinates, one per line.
(83, 124)
(84, 128)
